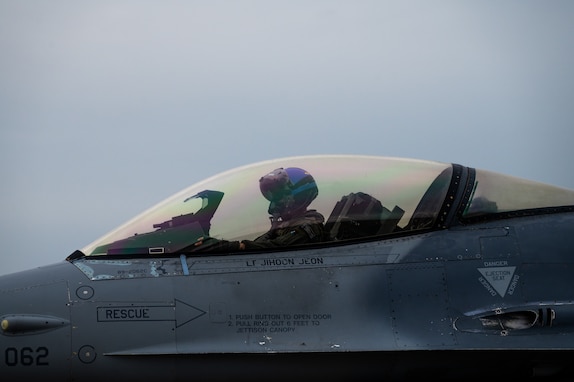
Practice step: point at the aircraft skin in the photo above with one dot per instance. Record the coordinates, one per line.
(467, 282)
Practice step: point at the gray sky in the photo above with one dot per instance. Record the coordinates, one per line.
(108, 107)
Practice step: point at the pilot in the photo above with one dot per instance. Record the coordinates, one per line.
(289, 191)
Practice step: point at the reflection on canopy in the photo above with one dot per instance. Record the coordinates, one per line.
(359, 196)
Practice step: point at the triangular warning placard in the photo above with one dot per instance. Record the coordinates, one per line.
(498, 277)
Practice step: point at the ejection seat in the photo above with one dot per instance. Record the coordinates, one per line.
(358, 215)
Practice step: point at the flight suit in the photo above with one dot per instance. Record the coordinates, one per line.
(307, 228)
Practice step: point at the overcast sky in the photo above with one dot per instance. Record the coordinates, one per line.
(108, 107)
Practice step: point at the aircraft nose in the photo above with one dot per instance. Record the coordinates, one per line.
(35, 330)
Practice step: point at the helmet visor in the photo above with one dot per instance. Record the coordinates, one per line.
(275, 185)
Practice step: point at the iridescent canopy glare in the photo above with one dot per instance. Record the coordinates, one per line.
(231, 206)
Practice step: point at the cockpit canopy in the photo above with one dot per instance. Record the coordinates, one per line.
(360, 196)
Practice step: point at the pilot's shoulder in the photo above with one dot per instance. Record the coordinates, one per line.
(313, 216)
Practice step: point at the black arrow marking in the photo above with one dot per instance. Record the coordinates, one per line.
(179, 311)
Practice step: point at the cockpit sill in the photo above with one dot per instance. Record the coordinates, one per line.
(78, 254)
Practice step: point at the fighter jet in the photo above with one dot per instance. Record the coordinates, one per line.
(320, 266)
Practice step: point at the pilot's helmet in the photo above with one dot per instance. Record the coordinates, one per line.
(290, 190)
